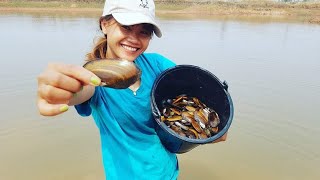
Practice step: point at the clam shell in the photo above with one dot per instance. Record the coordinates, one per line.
(118, 74)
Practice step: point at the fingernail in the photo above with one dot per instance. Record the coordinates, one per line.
(95, 81)
(64, 108)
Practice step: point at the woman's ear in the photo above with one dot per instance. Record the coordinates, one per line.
(104, 24)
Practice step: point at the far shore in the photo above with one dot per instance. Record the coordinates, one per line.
(304, 12)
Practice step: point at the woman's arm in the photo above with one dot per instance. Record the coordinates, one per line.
(222, 138)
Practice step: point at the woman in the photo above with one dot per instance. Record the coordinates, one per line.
(131, 148)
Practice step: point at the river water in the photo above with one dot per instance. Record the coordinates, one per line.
(273, 72)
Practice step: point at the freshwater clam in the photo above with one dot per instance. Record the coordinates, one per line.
(118, 74)
(189, 117)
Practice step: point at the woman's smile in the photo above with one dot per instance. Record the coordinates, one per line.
(130, 48)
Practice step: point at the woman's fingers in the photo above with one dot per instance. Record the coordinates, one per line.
(56, 79)
(47, 109)
(83, 75)
(54, 95)
(222, 138)
(58, 84)
(52, 101)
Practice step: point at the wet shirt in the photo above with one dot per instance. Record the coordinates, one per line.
(131, 148)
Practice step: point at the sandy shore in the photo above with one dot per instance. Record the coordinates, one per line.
(305, 12)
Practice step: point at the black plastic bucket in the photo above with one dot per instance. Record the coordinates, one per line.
(194, 82)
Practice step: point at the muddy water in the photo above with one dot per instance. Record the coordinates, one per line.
(272, 69)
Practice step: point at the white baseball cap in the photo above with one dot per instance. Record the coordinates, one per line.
(130, 12)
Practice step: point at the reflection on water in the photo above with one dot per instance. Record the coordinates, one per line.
(272, 69)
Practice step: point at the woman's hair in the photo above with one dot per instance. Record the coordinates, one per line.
(100, 48)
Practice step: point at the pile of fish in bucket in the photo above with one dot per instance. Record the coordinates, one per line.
(189, 117)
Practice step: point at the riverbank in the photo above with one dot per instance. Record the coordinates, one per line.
(304, 11)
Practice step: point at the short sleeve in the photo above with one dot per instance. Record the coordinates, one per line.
(84, 108)
(164, 63)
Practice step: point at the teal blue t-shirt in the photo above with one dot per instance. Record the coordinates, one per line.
(131, 148)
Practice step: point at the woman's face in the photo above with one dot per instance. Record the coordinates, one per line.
(126, 42)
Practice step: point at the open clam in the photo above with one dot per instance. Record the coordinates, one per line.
(118, 74)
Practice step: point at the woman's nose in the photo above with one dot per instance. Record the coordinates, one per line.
(133, 36)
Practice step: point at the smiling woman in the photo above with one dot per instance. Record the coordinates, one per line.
(127, 27)
(131, 148)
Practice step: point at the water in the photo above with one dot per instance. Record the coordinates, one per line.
(272, 69)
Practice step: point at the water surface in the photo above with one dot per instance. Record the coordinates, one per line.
(272, 69)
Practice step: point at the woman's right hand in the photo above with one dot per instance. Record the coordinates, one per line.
(59, 83)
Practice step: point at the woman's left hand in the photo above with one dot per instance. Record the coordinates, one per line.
(222, 138)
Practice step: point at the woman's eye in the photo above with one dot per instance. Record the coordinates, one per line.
(146, 33)
(126, 27)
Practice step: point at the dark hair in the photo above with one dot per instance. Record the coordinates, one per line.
(100, 48)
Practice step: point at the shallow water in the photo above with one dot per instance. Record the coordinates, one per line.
(272, 69)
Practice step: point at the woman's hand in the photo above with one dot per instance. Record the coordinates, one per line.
(59, 83)
(222, 138)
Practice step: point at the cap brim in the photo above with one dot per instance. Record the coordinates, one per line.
(129, 19)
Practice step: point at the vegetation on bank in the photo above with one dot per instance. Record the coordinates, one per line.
(50, 4)
(309, 10)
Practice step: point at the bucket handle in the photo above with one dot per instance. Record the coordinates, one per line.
(225, 85)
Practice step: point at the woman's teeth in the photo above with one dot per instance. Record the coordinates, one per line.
(130, 48)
